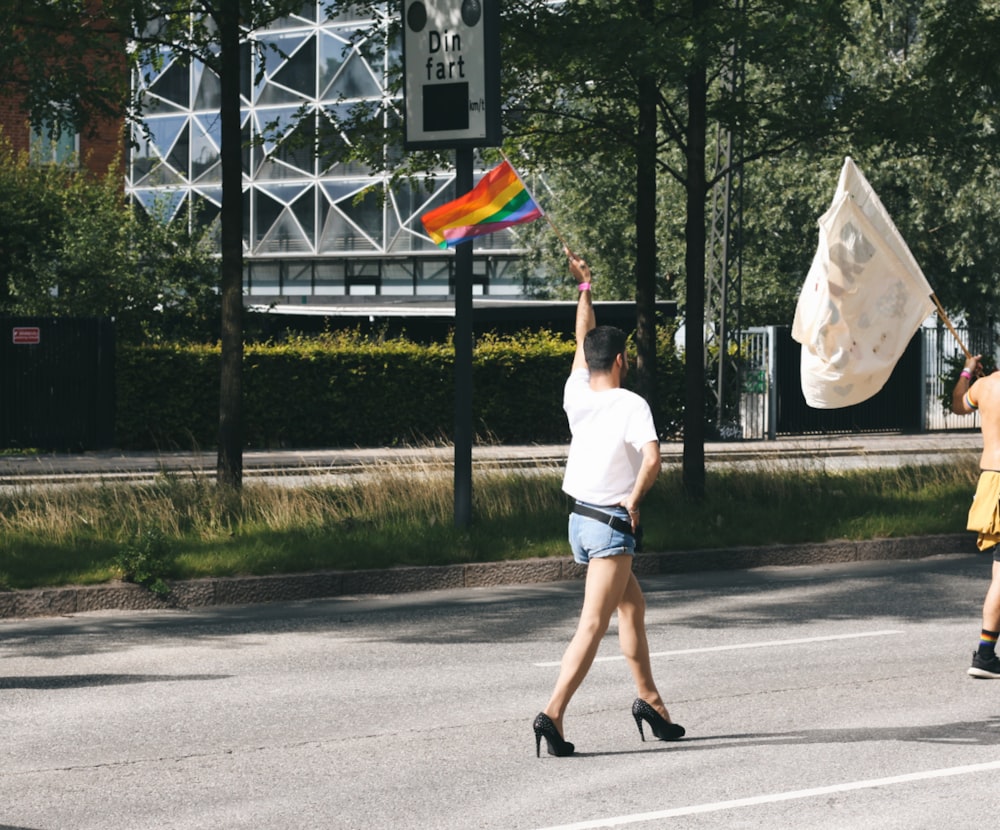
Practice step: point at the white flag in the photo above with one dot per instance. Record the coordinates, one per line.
(862, 301)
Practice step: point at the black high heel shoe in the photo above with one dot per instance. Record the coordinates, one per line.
(545, 728)
(658, 725)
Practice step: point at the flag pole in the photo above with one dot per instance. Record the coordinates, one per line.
(552, 225)
(951, 328)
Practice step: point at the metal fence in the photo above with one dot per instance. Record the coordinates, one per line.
(57, 383)
(768, 392)
(940, 345)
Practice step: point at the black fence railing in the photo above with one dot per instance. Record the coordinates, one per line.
(57, 383)
(912, 400)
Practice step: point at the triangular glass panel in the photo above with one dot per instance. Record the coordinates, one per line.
(288, 193)
(306, 15)
(333, 51)
(356, 80)
(266, 213)
(208, 88)
(174, 85)
(285, 236)
(161, 204)
(146, 199)
(275, 49)
(163, 131)
(337, 191)
(154, 105)
(211, 175)
(340, 234)
(211, 194)
(299, 71)
(324, 211)
(410, 202)
(304, 209)
(140, 169)
(273, 169)
(204, 150)
(210, 125)
(160, 175)
(272, 124)
(396, 239)
(365, 213)
(271, 94)
(204, 212)
(297, 147)
(179, 156)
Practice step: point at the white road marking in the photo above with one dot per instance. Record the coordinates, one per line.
(622, 821)
(764, 644)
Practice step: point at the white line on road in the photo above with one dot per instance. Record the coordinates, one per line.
(764, 644)
(621, 821)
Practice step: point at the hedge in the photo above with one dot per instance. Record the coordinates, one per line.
(340, 390)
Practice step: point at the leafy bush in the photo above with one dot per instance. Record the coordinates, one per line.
(342, 389)
(71, 245)
(146, 561)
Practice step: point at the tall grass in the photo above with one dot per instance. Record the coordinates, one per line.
(404, 515)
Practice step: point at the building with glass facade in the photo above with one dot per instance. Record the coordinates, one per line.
(313, 231)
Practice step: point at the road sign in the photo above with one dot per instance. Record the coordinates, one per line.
(451, 67)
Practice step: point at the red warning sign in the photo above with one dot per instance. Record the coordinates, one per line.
(27, 335)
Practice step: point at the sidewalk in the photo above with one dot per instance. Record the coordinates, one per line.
(833, 452)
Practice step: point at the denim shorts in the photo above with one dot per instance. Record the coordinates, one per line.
(591, 539)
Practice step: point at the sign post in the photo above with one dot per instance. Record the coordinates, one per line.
(451, 68)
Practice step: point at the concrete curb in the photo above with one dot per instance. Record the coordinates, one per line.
(201, 593)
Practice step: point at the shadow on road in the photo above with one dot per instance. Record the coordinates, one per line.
(80, 681)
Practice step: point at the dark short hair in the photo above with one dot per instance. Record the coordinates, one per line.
(601, 346)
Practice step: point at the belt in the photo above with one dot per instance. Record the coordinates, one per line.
(618, 524)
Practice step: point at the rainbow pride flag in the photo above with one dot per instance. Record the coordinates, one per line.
(497, 202)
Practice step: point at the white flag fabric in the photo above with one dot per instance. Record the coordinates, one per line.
(862, 301)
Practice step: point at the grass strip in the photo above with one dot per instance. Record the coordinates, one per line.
(180, 528)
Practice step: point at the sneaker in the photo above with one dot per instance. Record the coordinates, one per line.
(982, 667)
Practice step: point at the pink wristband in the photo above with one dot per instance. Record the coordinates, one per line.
(584, 286)
(967, 374)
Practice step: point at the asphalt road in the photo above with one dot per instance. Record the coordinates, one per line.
(827, 696)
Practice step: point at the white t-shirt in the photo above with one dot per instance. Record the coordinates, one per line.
(609, 429)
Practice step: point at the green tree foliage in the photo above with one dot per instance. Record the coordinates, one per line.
(950, 107)
(922, 128)
(71, 246)
(914, 105)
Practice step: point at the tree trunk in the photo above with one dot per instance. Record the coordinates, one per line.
(645, 243)
(645, 237)
(693, 472)
(229, 466)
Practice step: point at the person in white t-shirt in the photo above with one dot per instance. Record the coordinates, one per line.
(614, 458)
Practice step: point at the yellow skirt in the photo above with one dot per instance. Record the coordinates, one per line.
(984, 515)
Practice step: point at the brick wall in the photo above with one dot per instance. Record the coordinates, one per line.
(14, 124)
(98, 147)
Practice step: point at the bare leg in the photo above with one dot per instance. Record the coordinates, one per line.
(991, 605)
(607, 579)
(635, 646)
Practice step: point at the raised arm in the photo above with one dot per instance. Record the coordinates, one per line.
(960, 398)
(585, 320)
